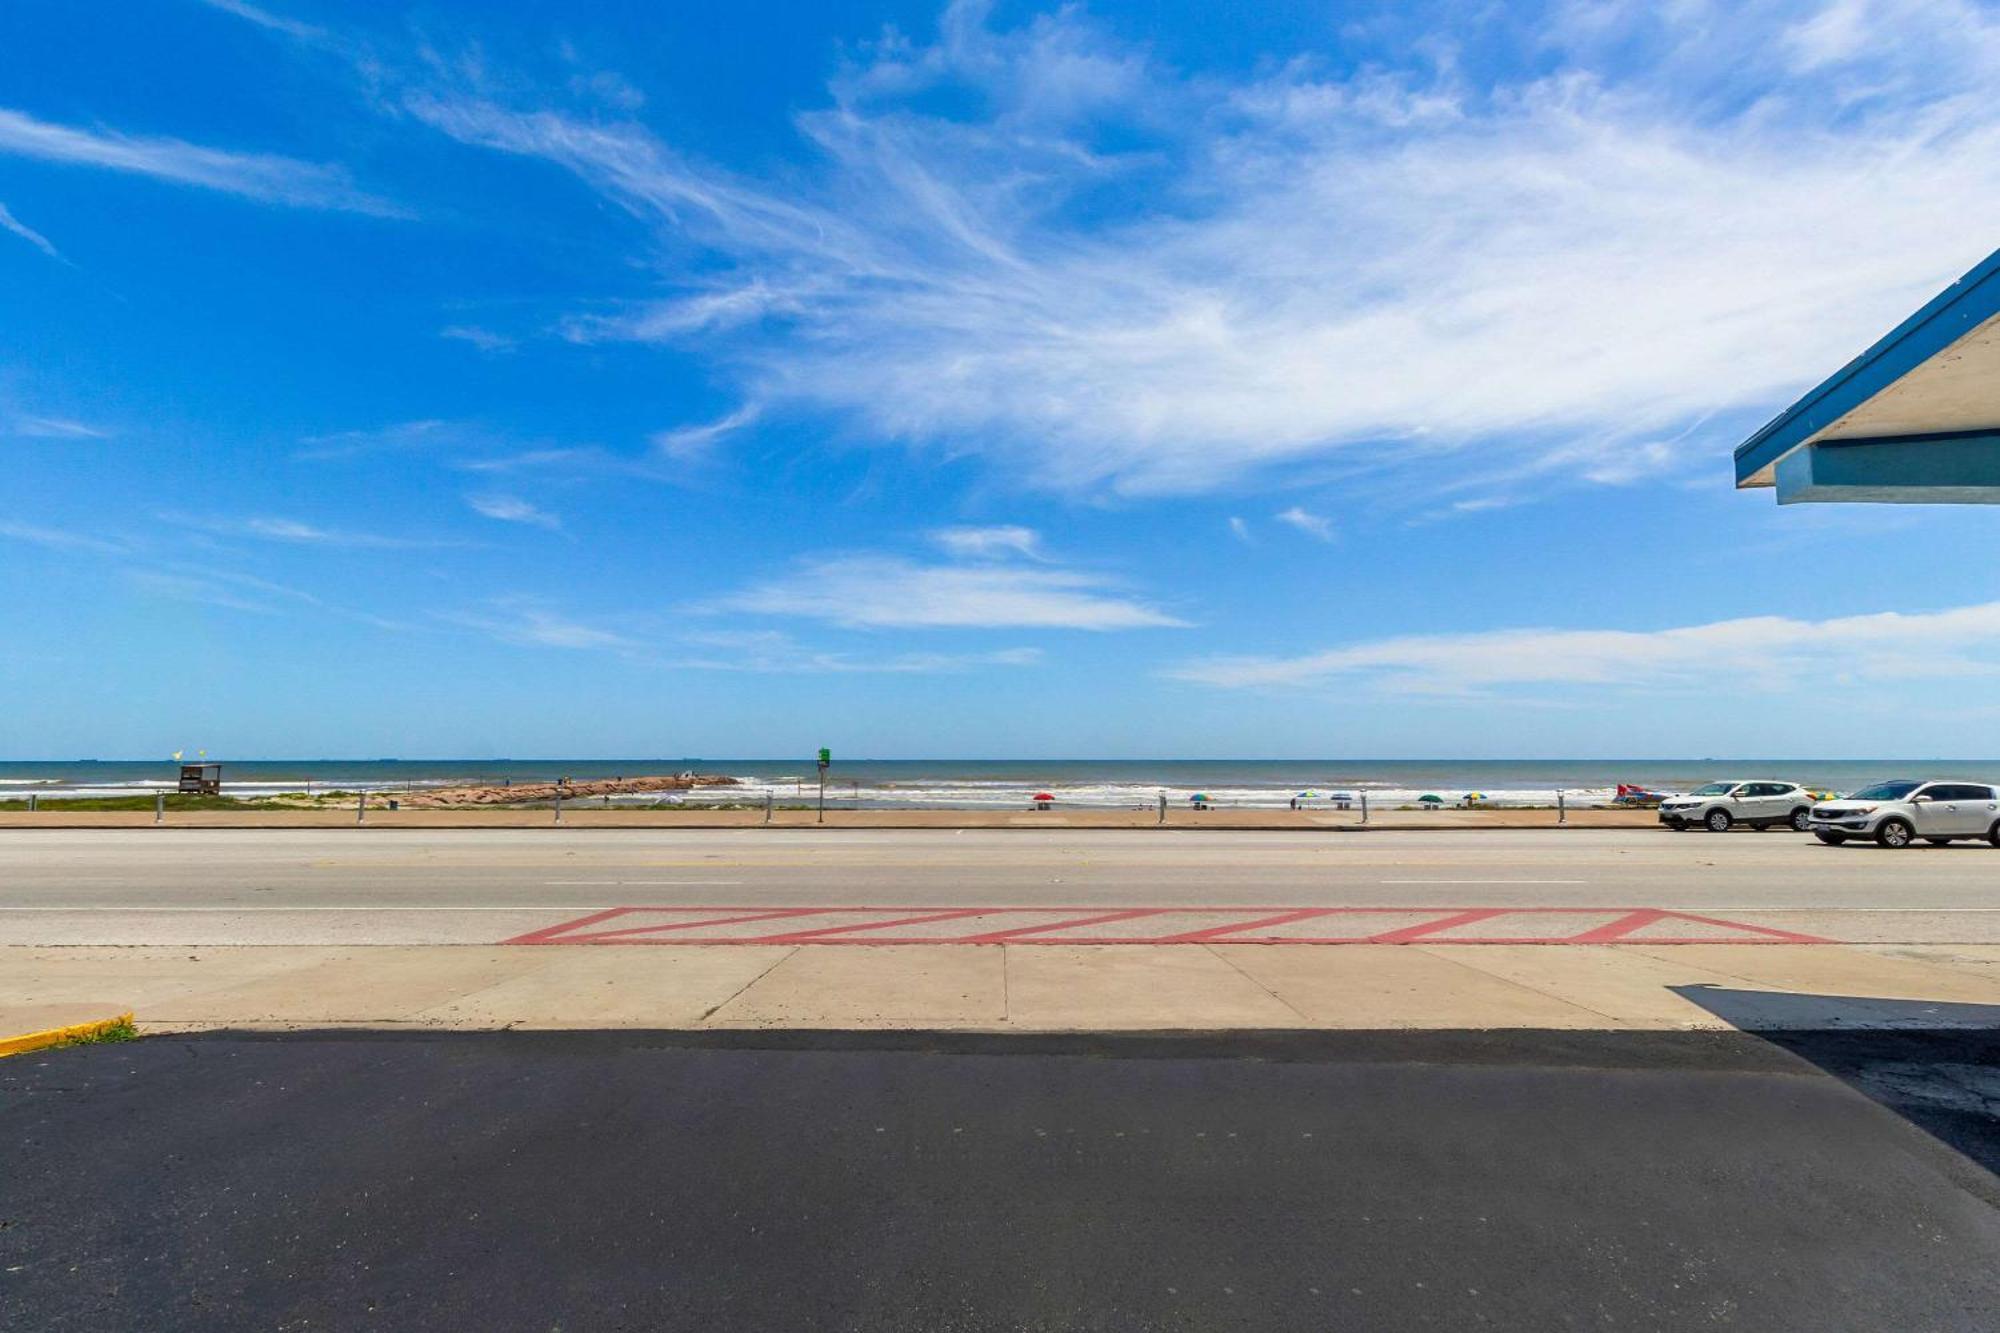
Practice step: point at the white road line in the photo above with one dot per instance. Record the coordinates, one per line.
(643, 883)
(1483, 881)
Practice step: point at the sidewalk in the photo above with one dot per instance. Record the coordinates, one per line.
(1009, 987)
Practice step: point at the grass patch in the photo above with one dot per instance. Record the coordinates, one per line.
(123, 1030)
(51, 804)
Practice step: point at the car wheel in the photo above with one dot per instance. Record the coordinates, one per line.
(1894, 833)
(1993, 834)
(1801, 819)
(1718, 821)
(1835, 839)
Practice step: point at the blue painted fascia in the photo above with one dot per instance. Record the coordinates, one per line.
(1947, 317)
(1956, 467)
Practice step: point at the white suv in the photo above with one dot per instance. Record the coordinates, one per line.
(1715, 806)
(1896, 813)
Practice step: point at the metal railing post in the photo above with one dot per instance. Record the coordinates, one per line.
(1364, 807)
(1562, 808)
(31, 803)
(767, 805)
(159, 807)
(558, 805)
(1163, 807)
(360, 806)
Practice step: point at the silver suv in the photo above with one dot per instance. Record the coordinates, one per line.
(1760, 803)
(1897, 813)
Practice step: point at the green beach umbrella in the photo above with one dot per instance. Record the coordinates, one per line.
(1430, 798)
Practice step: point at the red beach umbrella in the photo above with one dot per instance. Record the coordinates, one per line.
(1041, 796)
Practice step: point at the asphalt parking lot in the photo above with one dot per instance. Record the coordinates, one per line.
(966, 1182)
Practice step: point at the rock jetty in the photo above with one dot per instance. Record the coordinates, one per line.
(526, 793)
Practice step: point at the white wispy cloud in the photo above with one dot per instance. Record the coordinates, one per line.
(261, 176)
(519, 621)
(61, 539)
(229, 589)
(512, 509)
(913, 664)
(1676, 214)
(1007, 539)
(1759, 654)
(427, 433)
(10, 223)
(265, 18)
(54, 428)
(1317, 526)
(774, 652)
(297, 532)
(1240, 530)
(530, 623)
(194, 588)
(397, 437)
(685, 444)
(887, 591)
(486, 340)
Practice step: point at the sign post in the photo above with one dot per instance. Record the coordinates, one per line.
(825, 759)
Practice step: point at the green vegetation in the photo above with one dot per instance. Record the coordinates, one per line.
(122, 1030)
(50, 804)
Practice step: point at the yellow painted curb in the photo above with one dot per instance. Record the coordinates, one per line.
(35, 1041)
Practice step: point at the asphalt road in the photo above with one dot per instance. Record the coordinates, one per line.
(467, 886)
(1380, 1181)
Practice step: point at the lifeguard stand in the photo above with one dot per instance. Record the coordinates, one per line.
(200, 780)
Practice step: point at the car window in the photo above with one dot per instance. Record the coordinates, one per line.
(1959, 791)
(1885, 791)
(1761, 789)
(1711, 789)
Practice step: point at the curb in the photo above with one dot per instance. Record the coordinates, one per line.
(36, 1041)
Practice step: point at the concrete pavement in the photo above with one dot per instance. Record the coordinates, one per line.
(1009, 987)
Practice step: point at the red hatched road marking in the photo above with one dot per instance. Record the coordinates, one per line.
(1079, 925)
(1411, 934)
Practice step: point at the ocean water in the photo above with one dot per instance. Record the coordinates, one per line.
(1000, 784)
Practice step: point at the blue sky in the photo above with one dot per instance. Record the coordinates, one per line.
(1105, 380)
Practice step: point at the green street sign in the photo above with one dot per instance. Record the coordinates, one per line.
(825, 756)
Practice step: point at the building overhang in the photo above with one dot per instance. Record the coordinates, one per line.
(1915, 419)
